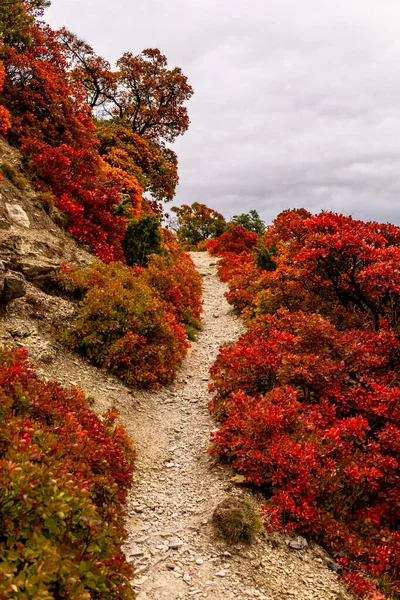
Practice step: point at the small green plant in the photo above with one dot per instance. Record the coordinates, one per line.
(142, 238)
(264, 257)
(191, 332)
(236, 520)
(47, 201)
(14, 176)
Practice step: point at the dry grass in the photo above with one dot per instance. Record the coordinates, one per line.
(12, 174)
(236, 520)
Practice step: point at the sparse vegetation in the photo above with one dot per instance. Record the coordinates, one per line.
(13, 175)
(236, 520)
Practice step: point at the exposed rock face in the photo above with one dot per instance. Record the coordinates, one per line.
(17, 215)
(30, 242)
(42, 274)
(12, 286)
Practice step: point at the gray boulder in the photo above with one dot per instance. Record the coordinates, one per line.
(12, 286)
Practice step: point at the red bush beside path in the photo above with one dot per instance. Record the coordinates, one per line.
(64, 478)
(309, 397)
(132, 320)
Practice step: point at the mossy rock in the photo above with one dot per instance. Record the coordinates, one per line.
(236, 520)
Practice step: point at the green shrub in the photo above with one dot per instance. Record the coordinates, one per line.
(192, 332)
(142, 238)
(264, 257)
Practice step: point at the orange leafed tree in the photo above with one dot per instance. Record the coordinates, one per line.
(142, 91)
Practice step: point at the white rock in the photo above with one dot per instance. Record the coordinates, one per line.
(17, 215)
(175, 543)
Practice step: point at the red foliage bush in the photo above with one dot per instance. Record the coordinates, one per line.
(87, 200)
(309, 397)
(5, 122)
(126, 325)
(237, 239)
(179, 284)
(343, 268)
(64, 477)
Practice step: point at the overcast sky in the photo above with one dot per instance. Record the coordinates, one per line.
(297, 102)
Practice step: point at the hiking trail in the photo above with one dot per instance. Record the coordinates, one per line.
(177, 484)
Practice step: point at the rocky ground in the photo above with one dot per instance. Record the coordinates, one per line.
(177, 485)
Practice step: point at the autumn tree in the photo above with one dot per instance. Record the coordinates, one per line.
(142, 92)
(95, 170)
(198, 223)
(156, 169)
(151, 97)
(139, 107)
(89, 69)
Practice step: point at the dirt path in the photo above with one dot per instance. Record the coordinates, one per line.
(171, 540)
(177, 484)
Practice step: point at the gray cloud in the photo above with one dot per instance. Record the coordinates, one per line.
(296, 103)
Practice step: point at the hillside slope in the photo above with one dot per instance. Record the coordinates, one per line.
(32, 244)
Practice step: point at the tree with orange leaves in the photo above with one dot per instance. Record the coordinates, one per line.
(142, 91)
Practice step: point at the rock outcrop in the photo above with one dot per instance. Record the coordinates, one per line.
(12, 286)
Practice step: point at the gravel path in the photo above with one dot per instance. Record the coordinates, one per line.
(172, 543)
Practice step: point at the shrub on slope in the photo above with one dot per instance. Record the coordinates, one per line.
(122, 326)
(132, 320)
(64, 476)
(178, 283)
